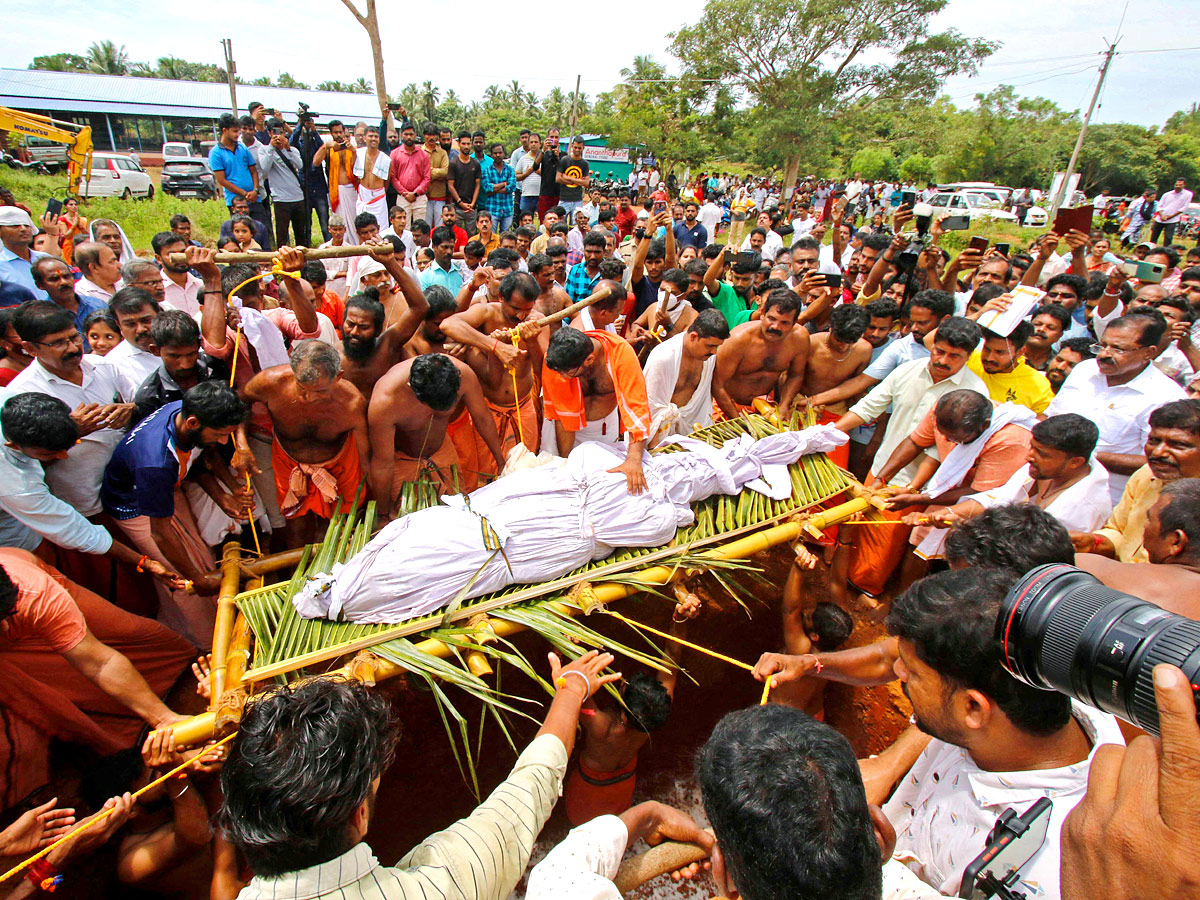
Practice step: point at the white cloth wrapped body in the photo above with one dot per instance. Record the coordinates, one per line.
(550, 521)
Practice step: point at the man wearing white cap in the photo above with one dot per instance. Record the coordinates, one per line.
(16, 256)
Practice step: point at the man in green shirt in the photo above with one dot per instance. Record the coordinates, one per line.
(732, 297)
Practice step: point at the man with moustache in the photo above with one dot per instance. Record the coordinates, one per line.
(410, 171)
(135, 310)
(1071, 353)
(1172, 452)
(679, 375)
(758, 354)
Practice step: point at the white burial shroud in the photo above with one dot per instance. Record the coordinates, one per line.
(549, 522)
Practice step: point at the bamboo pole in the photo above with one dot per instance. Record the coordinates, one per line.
(229, 707)
(310, 253)
(569, 311)
(201, 728)
(226, 612)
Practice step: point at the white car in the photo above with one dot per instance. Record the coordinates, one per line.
(1036, 217)
(117, 175)
(176, 150)
(974, 205)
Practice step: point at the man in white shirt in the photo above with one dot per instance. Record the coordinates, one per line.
(997, 743)
(710, 217)
(181, 289)
(92, 393)
(135, 357)
(1118, 390)
(101, 270)
(1167, 213)
(772, 243)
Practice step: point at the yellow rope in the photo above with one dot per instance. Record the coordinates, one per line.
(276, 269)
(97, 819)
(514, 334)
(713, 653)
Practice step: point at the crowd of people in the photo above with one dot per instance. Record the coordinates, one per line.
(1004, 407)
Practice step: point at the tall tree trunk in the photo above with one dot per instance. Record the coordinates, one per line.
(370, 22)
(790, 171)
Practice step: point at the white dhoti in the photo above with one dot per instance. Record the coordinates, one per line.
(373, 201)
(662, 374)
(347, 208)
(548, 521)
(605, 431)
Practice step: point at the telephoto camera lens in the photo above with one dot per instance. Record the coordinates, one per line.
(1061, 629)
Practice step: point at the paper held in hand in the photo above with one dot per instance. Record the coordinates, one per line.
(1025, 299)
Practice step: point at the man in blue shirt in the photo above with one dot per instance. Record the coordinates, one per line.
(55, 277)
(234, 167)
(16, 256)
(443, 271)
(147, 467)
(584, 276)
(689, 232)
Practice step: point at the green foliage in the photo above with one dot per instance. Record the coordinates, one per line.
(873, 163)
(106, 58)
(285, 80)
(917, 168)
(60, 62)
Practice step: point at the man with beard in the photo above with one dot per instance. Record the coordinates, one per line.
(320, 443)
(369, 345)
(1172, 452)
(758, 354)
(652, 258)
(1117, 390)
(1009, 378)
(505, 369)
(136, 356)
(372, 167)
(732, 298)
(430, 338)
(551, 297)
(408, 416)
(1071, 353)
(409, 172)
(181, 289)
(338, 154)
(143, 491)
(835, 356)
(181, 363)
(1172, 543)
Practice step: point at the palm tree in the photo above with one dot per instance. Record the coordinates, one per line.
(410, 98)
(331, 86)
(262, 81)
(106, 58)
(174, 68)
(492, 95)
(360, 86)
(556, 105)
(516, 94)
(429, 99)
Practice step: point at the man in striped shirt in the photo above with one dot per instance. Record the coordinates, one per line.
(302, 777)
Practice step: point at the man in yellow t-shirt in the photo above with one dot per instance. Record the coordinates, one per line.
(1008, 377)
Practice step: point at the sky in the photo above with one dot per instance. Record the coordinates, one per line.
(1051, 48)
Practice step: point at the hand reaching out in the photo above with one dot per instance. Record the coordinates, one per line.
(35, 829)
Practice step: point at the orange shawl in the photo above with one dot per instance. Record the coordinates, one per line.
(563, 396)
(336, 173)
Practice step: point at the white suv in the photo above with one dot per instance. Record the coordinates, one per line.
(117, 175)
(968, 203)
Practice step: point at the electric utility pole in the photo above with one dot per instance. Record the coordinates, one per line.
(231, 73)
(1058, 197)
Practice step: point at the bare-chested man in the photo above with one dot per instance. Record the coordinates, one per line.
(370, 346)
(320, 444)
(430, 338)
(371, 167)
(758, 353)
(505, 370)
(408, 415)
(679, 374)
(551, 297)
(834, 356)
(1172, 541)
(588, 375)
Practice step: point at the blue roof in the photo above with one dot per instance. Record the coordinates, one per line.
(125, 95)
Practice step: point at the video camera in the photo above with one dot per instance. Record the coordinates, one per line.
(303, 113)
(1060, 629)
(907, 260)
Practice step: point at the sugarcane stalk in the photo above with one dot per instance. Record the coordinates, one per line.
(267, 256)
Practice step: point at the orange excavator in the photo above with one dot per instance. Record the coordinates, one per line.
(78, 139)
